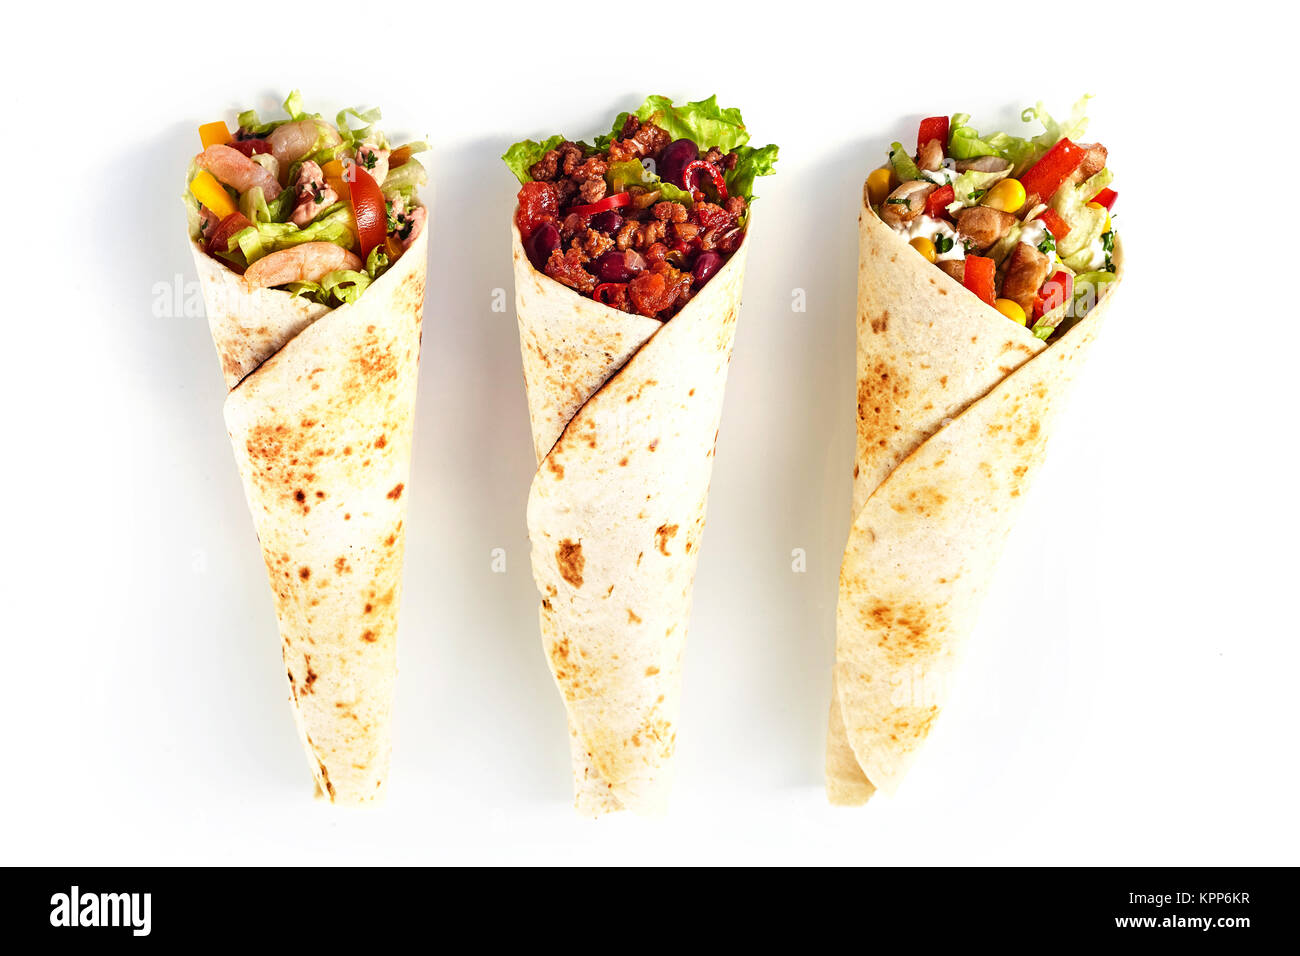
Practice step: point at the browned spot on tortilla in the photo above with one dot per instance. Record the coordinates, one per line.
(654, 443)
(923, 501)
(1030, 434)
(546, 604)
(623, 461)
(881, 322)
(651, 671)
(300, 496)
(904, 631)
(341, 564)
(381, 441)
(347, 516)
(1019, 470)
(555, 466)
(369, 636)
(304, 573)
(632, 618)
(569, 559)
(691, 392)
(397, 491)
(369, 607)
(880, 393)
(390, 540)
(347, 449)
(662, 534)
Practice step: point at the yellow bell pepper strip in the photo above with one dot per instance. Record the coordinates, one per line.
(212, 194)
(214, 134)
(879, 185)
(1011, 309)
(924, 246)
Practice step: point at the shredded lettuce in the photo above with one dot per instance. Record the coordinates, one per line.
(970, 187)
(368, 118)
(965, 142)
(405, 179)
(902, 163)
(377, 262)
(1086, 222)
(261, 238)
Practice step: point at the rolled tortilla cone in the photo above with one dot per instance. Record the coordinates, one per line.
(321, 427)
(625, 414)
(955, 406)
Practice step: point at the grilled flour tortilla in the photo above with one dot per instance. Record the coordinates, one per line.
(955, 405)
(320, 415)
(629, 254)
(624, 413)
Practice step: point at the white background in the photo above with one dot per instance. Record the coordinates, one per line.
(1129, 695)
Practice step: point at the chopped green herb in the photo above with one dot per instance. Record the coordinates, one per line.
(942, 243)
(896, 202)
(1047, 245)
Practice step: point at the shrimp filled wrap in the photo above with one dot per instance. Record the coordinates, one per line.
(310, 243)
(986, 266)
(629, 254)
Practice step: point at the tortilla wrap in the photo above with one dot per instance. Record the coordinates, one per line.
(955, 406)
(625, 414)
(320, 416)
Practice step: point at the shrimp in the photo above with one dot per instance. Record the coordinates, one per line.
(238, 171)
(307, 262)
(292, 141)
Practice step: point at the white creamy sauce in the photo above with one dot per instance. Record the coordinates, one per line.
(943, 175)
(925, 227)
(1034, 233)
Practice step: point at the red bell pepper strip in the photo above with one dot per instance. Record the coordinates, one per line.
(250, 147)
(609, 202)
(368, 210)
(1057, 226)
(933, 127)
(1106, 198)
(1055, 292)
(978, 277)
(1045, 176)
(219, 241)
(690, 177)
(936, 204)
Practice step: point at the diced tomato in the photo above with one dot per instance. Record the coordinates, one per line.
(933, 127)
(538, 203)
(250, 147)
(368, 211)
(979, 277)
(219, 241)
(1055, 224)
(936, 204)
(1106, 198)
(1045, 176)
(609, 202)
(1055, 291)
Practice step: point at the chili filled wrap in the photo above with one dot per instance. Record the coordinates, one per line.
(310, 243)
(986, 267)
(629, 255)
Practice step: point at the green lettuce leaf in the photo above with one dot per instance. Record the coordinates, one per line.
(377, 262)
(704, 122)
(405, 179)
(753, 162)
(521, 156)
(345, 285)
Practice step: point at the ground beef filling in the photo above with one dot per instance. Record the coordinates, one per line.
(632, 250)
